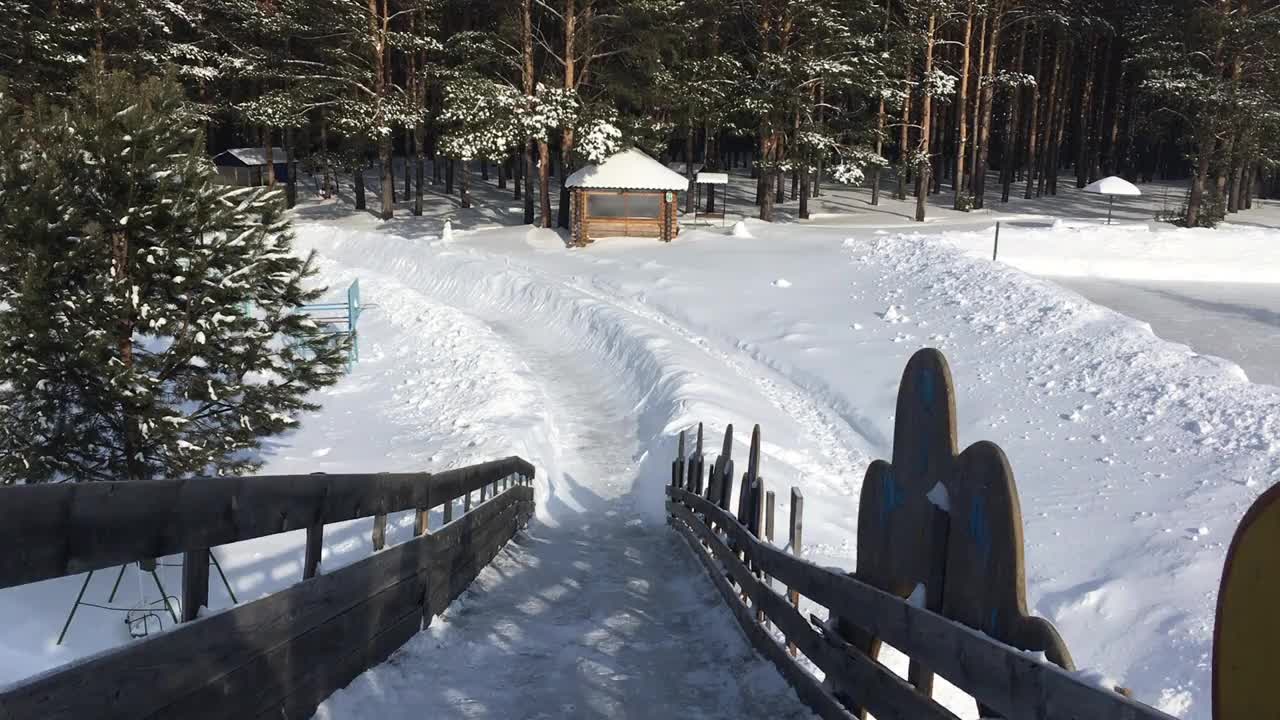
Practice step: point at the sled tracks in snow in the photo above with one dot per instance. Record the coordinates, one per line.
(279, 656)
(940, 577)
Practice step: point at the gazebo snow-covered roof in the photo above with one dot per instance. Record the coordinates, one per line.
(629, 169)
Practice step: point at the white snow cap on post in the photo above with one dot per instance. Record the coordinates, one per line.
(1112, 185)
(629, 169)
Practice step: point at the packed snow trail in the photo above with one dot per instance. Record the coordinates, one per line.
(597, 610)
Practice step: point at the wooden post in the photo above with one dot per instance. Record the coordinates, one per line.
(796, 543)
(195, 582)
(315, 538)
(422, 521)
(466, 505)
(695, 468)
(448, 511)
(379, 531)
(484, 489)
(757, 527)
(677, 466)
(768, 515)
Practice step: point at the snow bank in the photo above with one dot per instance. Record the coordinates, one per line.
(1230, 253)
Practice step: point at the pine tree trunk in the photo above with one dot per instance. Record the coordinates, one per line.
(971, 181)
(875, 170)
(988, 100)
(688, 168)
(1111, 160)
(758, 168)
(527, 79)
(408, 166)
(291, 162)
(448, 176)
(1011, 127)
(1033, 127)
(766, 181)
(464, 193)
(926, 127)
(527, 166)
(358, 181)
(270, 169)
(326, 190)
(1053, 166)
(1050, 117)
(962, 102)
(1083, 130)
(881, 117)
(388, 179)
(804, 195)
(1205, 146)
(903, 152)
(484, 169)
(544, 184)
(1250, 177)
(502, 173)
(822, 124)
(379, 21)
(1098, 136)
(419, 165)
(779, 179)
(1236, 185)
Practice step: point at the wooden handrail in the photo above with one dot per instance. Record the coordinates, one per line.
(54, 530)
(1002, 678)
(280, 655)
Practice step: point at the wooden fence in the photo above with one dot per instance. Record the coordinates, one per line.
(939, 576)
(277, 657)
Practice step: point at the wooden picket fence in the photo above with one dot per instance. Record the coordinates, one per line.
(939, 576)
(279, 656)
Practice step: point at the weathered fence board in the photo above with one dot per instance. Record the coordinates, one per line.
(266, 652)
(806, 686)
(55, 530)
(875, 686)
(1005, 679)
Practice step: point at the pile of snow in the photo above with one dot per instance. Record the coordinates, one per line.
(740, 230)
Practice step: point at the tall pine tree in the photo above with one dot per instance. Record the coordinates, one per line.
(149, 322)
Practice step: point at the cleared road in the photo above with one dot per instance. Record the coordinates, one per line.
(1236, 321)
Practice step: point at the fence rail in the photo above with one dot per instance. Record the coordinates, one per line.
(939, 577)
(277, 657)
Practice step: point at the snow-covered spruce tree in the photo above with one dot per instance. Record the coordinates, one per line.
(148, 317)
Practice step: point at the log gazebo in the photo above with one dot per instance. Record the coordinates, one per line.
(629, 194)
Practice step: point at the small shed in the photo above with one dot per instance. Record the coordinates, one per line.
(247, 166)
(629, 194)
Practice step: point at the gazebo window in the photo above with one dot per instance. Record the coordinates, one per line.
(607, 205)
(624, 205)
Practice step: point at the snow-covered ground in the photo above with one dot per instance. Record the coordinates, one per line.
(1135, 457)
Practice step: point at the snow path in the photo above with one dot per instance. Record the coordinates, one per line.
(596, 611)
